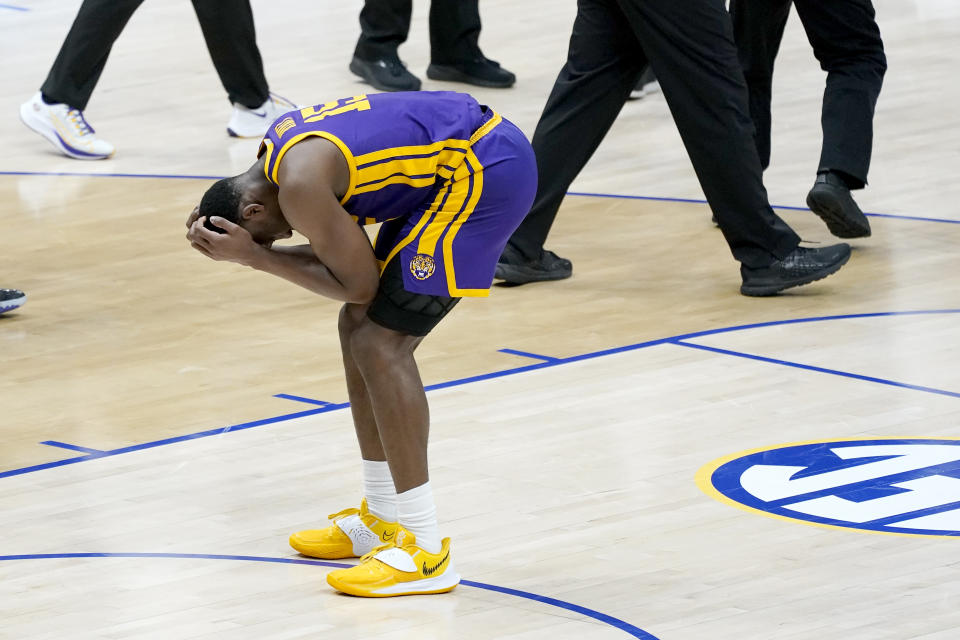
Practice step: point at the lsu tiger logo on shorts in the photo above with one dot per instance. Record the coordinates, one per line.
(422, 266)
(905, 486)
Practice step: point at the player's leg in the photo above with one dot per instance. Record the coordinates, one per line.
(355, 532)
(474, 214)
(382, 346)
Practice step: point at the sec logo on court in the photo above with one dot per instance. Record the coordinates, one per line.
(903, 486)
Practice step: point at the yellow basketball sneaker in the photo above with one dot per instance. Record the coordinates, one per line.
(398, 569)
(354, 533)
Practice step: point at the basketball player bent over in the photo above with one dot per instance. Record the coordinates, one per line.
(450, 180)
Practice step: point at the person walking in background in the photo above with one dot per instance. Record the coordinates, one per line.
(455, 54)
(846, 40)
(690, 48)
(56, 111)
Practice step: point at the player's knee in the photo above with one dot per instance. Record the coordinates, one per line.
(352, 316)
(374, 346)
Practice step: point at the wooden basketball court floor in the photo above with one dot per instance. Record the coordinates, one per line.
(168, 421)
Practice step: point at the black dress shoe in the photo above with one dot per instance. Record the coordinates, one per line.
(481, 72)
(514, 268)
(831, 200)
(801, 266)
(386, 74)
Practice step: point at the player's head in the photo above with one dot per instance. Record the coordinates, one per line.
(249, 203)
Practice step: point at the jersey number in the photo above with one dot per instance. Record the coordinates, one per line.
(319, 112)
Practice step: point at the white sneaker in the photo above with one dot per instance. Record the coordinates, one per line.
(253, 123)
(65, 128)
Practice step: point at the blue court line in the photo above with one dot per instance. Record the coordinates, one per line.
(82, 174)
(636, 632)
(526, 354)
(491, 376)
(835, 372)
(287, 396)
(13, 7)
(73, 447)
(175, 176)
(159, 443)
(775, 206)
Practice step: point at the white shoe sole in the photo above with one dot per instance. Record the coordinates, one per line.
(440, 583)
(41, 126)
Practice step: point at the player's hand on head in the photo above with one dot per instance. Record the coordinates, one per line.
(193, 216)
(235, 244)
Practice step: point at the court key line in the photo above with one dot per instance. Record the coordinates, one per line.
(634, 631)
(553, 362)
(175, 176)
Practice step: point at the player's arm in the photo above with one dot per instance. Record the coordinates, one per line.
(311, 174)
(298, 264)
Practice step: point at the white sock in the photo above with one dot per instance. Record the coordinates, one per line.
(417, 513)
(379, 491)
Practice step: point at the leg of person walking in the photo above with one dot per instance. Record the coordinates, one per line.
(758, 29)
(84, 52)
(692, 52)
(603, 64)
(455, 50)
(56, 111)
(846, 41)
(384, 26)
(231, 39)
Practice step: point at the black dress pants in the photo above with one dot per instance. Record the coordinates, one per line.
(227, 28)
(454, 29)
(690, 46)
(846, 40)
